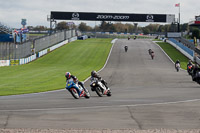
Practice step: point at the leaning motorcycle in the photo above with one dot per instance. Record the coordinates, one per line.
(196, 77)
(77, 90)
(99, 87)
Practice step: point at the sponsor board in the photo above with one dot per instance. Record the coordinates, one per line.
(14, 62)
(4, 62)
(91, 16)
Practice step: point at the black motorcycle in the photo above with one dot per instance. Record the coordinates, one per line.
(126, 48)
(190, 69)
(196, 77)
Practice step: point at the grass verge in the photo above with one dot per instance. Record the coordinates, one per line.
(174, 54)
(47, 73)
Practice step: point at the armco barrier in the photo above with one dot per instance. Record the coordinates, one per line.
(183, 49)
(43, 52)
(73, 39)
(27, 60)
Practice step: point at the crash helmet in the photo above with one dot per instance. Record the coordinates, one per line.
(93, 73)
(67, 75)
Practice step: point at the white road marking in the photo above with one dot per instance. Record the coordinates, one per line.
(96, 107)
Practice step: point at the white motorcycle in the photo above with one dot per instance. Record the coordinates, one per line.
(99, 87)
(178, 67)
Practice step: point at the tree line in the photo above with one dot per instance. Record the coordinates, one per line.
(125, 28)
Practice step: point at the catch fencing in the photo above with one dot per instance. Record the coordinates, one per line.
(11, 51)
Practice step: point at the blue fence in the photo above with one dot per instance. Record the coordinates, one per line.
(186, 49)
(6, 38)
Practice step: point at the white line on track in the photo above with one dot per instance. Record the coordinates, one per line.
(97, 107)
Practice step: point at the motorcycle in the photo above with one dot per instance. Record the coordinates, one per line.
(126, 48)
(77, 90)
(99, 87)
(177, 67)
(196, 77)
(189, 69)
(152, 55)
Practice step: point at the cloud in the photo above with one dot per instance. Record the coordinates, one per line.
(36, 11)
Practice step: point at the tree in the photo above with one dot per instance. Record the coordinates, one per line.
(146, 30)
(184, 27)
(83, 27)
(62, 25)
(107, 26)
(196, 33)
(39, 28)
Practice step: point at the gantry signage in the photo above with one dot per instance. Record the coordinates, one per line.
(91, 16)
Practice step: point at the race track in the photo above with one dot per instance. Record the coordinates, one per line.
(146, 94)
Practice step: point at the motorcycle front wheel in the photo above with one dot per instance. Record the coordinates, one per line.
(74, 93)
(99, 91)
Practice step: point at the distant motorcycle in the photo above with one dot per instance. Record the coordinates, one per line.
(196, 77)
(77, 90)
(189, 69)
(178, 67)
(99, 87)
(152, 55)
(126, 48)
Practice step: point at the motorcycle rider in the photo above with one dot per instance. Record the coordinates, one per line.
(195, 70)
(126, 48)
(150, 51)
(95, 75)
(69, 76)
(189, 63)
(177, 62)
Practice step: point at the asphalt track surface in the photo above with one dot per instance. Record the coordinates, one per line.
(146, 94)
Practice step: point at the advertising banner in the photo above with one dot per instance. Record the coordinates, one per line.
(14, 62)
(89, 16)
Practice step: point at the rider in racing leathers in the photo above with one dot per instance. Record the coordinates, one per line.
(195, 70)
(95, 75)
(69, 76)
(177, 62)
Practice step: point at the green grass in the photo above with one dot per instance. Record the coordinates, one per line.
(47, 73)
(37, 34)
(156, 40)
(174, 54)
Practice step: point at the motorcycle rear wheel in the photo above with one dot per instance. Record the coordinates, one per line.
(109, 94)
(87, 94)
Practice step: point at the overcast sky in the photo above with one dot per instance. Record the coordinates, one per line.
(36, 11)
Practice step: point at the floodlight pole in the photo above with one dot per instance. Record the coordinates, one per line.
(179, 21)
